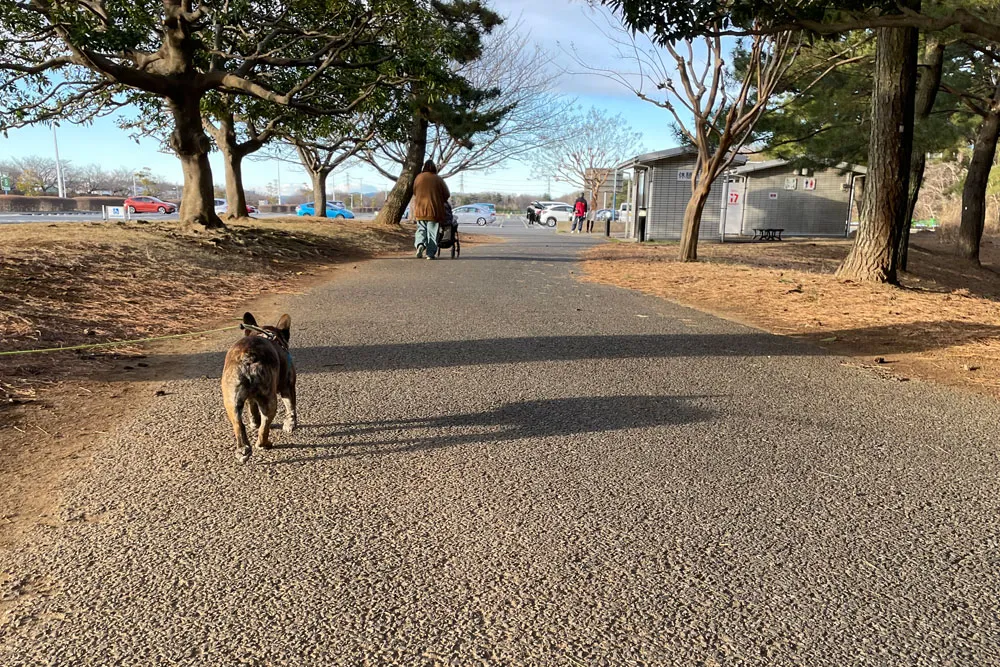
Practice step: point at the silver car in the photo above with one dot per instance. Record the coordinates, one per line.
(472, 214)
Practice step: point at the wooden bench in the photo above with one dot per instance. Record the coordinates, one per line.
(767, 234)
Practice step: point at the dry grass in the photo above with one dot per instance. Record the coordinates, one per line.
(74, 283)
(944, 324)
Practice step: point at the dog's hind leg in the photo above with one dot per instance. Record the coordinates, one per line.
(268, 411)
(234, 400)
(291, 417)
(254, 415)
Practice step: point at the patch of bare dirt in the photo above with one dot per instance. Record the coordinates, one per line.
(943, 324)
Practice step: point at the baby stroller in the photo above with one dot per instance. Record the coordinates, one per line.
(448, 234)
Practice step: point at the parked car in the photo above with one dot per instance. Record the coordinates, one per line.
(221, 207)
(149, 205)
(540, 206)
(473, 213)
(605, 214)
(332, 210)
(558, 212)
(491, 207)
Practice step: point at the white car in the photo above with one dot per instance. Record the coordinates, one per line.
(221, 207)
(539, 206)
(559, 212)
(467, 215)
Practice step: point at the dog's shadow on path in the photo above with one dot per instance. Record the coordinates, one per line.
(549, 418)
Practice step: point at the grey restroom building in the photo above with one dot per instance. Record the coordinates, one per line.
(803, 202)
(661, 186)
(752, 195)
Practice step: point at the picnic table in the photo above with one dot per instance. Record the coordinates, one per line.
(767, 234)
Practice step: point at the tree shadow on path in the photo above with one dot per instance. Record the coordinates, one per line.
(538, 419)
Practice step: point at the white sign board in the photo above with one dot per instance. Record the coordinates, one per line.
(809, 184)
(772, 195)
(116, 213)
(684, 175)
(791, 183)
(734, 198)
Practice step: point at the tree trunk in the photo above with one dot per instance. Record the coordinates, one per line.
(970, 232)
(191, 144)
(875, 254)
(927, 89)
(236, 196)
(402, 191)
(319, 192)
(233, 154)
(692, 219)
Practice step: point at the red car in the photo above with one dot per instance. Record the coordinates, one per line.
(149, 205)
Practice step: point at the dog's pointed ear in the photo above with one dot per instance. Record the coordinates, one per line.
(284, 326)
(249, 320)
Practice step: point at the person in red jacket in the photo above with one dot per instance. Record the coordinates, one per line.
(579, 214)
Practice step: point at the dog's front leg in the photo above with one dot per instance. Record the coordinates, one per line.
(291, 418)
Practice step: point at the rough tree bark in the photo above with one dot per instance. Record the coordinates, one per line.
(874, 257)
(927, 89)
(402, 191)
(319, 191)
(692, 220)
(192, 145)
(970, 232)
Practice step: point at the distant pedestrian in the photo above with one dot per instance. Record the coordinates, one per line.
(590, 222)
(579, 214)
(430, 196)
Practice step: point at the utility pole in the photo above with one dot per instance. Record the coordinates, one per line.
(60, 184)
(548, 186)
(461, 182)
(279, 182)
(614, 203)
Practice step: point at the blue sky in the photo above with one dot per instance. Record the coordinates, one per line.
(553, 23)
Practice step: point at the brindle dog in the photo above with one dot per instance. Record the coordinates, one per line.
(258, 369)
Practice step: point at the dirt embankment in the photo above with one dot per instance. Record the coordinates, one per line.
(943, 324)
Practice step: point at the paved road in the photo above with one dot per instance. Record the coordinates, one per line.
(500, 465)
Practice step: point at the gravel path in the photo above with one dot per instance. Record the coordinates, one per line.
(500, 465)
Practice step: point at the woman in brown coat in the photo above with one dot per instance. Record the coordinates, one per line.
(430, 193)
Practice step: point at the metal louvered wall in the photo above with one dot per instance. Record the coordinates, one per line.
(668, 197)
(800, 212)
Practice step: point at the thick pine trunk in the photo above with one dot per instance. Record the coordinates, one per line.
(875, 254)
(970, 233)
(923, 105)
(192, 145)
(692, 220)
(402, 191)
